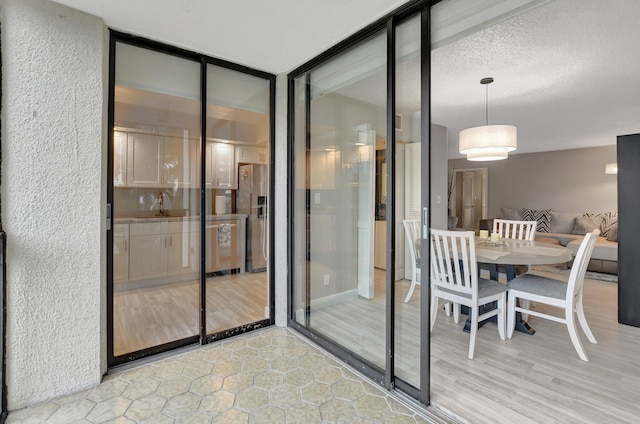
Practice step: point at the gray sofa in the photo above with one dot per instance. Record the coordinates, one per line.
(569, 229)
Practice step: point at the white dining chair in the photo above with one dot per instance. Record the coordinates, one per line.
(412, 231)
(515, 230)
(454, 278)
(519, 230)
(566, 296)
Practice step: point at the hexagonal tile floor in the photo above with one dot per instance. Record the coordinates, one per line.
(269, 376)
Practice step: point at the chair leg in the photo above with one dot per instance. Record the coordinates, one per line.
(456, 312)
(511, 314)
(414, 277)
(447, 309)
(526, 304)
(502, 313)
(573, 332)
(583, 321)
(474, 330)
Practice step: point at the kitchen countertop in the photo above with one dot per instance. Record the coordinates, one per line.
(178, 218)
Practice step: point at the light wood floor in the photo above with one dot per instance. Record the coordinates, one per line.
(528, 379)
(152, 316)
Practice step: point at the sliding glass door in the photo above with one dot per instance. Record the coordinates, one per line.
(190, 179)
(358, 172)
(156, 199)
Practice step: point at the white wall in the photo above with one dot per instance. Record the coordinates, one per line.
(53, 196)
(565, 181)
(280, 195)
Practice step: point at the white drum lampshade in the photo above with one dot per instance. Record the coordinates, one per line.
(489, 142)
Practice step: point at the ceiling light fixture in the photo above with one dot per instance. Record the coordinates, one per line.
(611, 168)
(488, 142)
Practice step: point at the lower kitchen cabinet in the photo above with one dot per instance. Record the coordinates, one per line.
(120, 253)
(163, 249)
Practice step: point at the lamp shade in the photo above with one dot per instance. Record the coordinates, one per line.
(503, 137)
(611, 168)
(488, 153)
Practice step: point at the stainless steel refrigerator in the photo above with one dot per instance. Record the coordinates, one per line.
(251, 199)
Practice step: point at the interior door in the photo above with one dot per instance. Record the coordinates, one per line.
(468, 206)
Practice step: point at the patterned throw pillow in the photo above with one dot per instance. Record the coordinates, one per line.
(609, 220)
(585, 224)
(542, 216)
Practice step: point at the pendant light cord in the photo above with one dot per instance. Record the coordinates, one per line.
(486, 106)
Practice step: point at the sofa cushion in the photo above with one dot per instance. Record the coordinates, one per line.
(562, 222)
(512, 214)
(563, 238)
(542, 216)
(585, 224)
(603, 249)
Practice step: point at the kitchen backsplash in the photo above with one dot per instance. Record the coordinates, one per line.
(139, 202)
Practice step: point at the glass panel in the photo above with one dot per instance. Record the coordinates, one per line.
(156, 197)
(237, 191)
(408, 205)
(347, 291)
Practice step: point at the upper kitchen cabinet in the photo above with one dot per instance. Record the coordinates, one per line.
(119, 159)
(249, 154)
(221, 166)
(145, 161)
(180, 165)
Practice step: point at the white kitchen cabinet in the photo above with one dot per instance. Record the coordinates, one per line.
(120, 253)
(163, 248)
(148, 256)
(221, 171)
(183, 247)
(145, 160)
(322, 171)
(250, 154)
(180, 163)
(119, 159)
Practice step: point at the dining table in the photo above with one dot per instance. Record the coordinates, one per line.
(509, 253)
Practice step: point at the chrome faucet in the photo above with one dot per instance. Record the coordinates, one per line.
(161, 203)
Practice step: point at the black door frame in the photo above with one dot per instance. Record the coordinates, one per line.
(202, 60)
(386, 378)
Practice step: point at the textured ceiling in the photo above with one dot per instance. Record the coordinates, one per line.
(270, 35)
(567, 73)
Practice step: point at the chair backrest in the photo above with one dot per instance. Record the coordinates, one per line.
(453, 261)
(520, 230)
(412, 230)
(580, 263)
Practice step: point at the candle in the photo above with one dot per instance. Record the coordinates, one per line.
(495, 237)
(484, 234)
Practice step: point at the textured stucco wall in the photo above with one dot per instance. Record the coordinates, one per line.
(53, 194)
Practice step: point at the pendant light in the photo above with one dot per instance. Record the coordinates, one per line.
(488, 142)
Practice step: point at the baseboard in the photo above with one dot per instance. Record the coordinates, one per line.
(332, 299)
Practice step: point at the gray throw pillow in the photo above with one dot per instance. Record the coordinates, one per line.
(512, 214)
(612, 235)
(585, 224)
